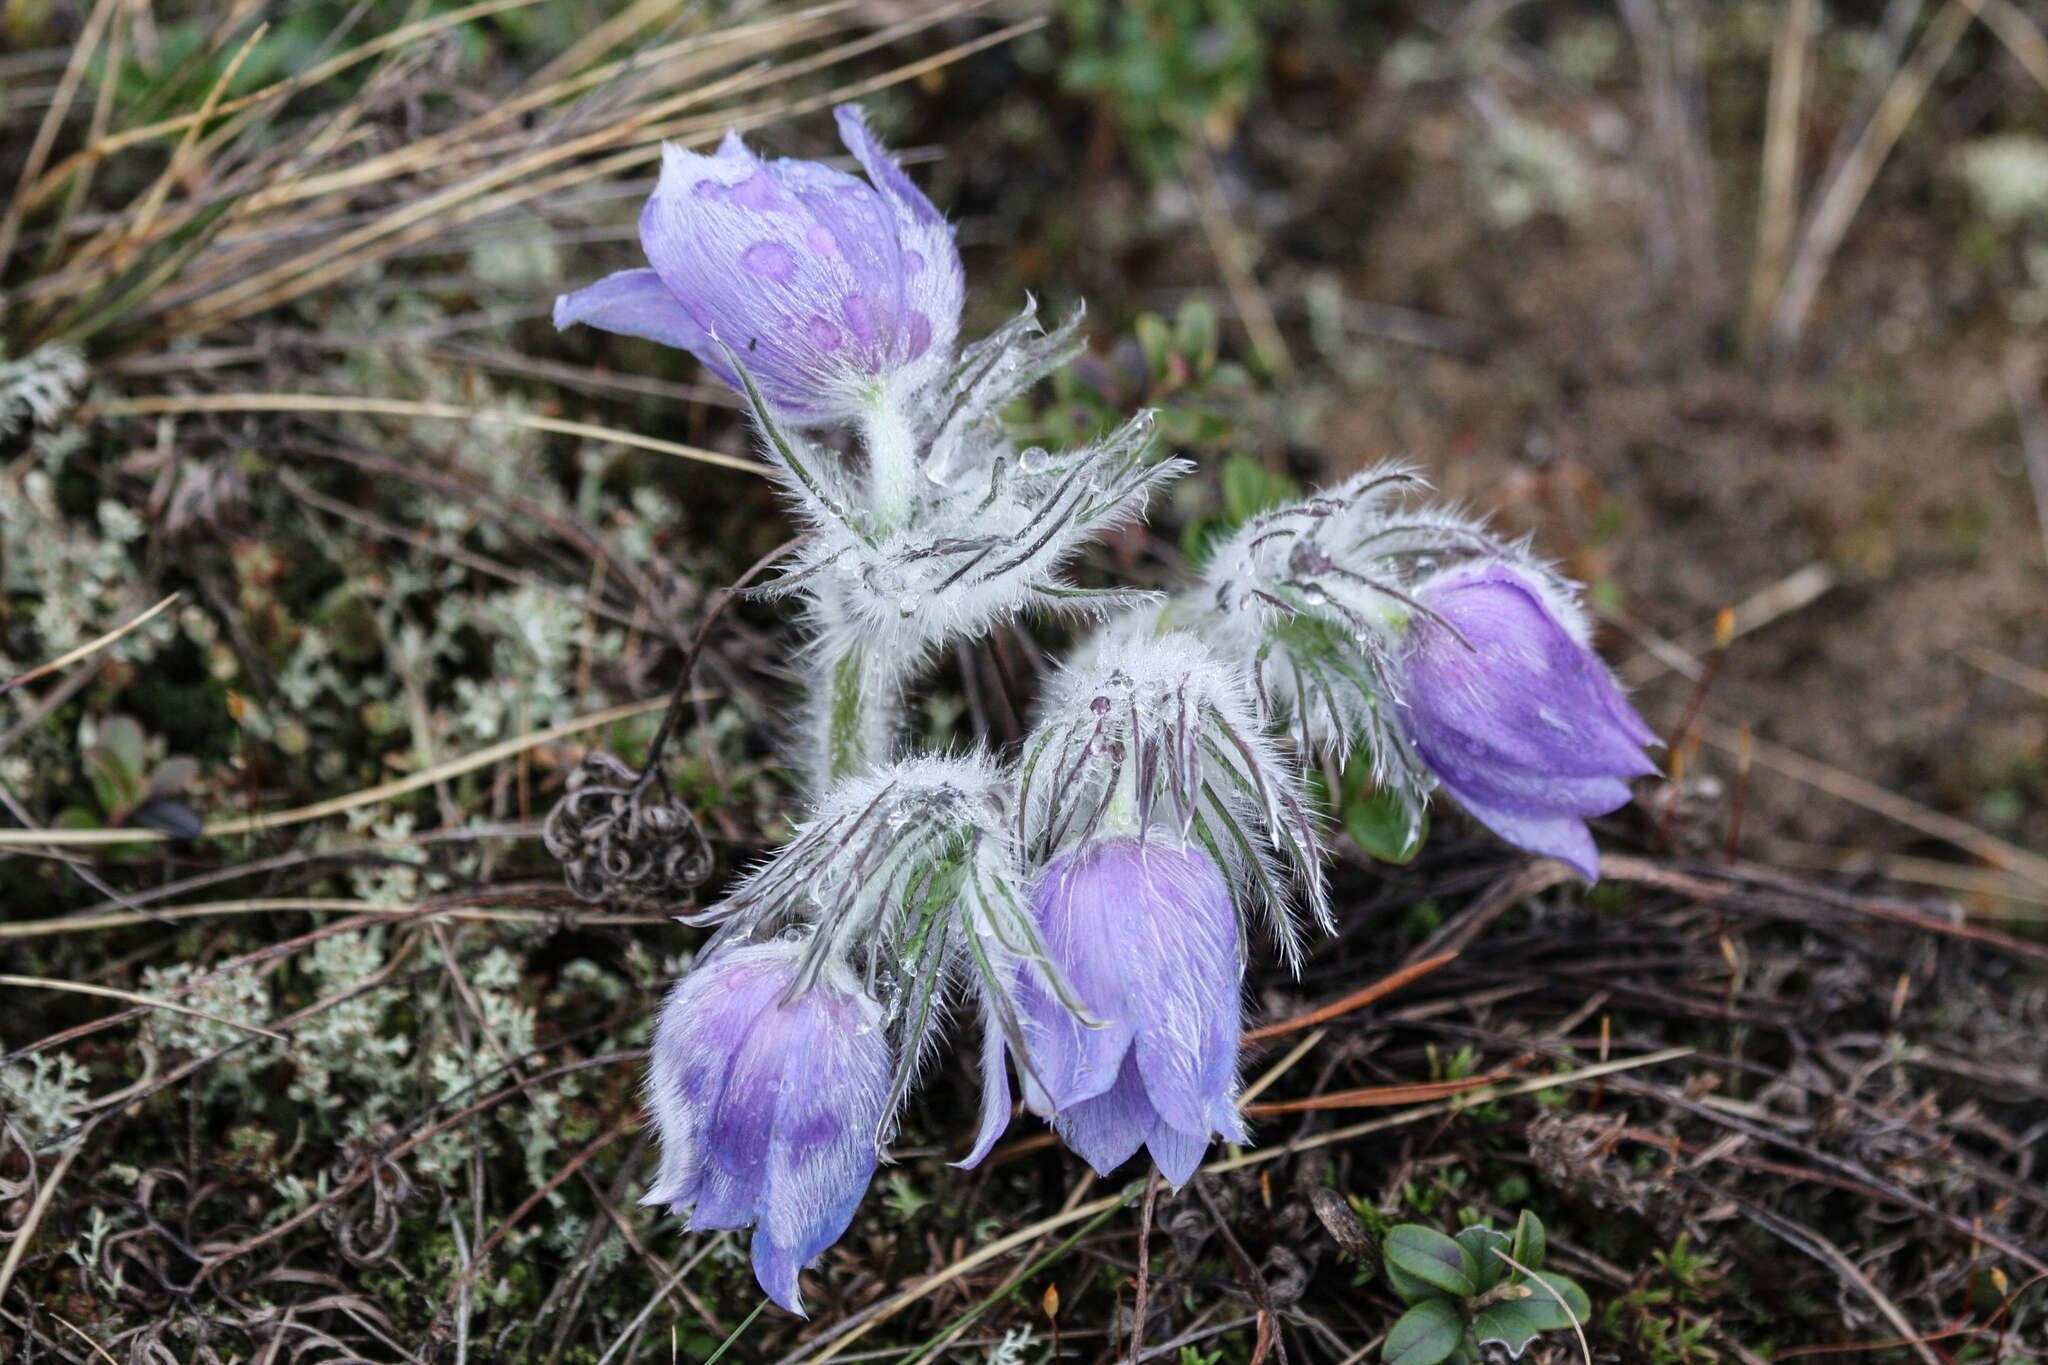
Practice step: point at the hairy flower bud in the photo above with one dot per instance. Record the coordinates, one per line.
(824, 286)
(768, 1108)
(1514, 713)
(1144, 933)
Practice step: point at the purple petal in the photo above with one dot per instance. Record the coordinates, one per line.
(633, 303)
(880, 166)
(1561, 837)
(934, 285)
(833, 1090)
(1181, 969)
(1107, 1131)
(1176, 1153)
(703, 1023)
(1077, 917)
(734, 244)
(1518, 684)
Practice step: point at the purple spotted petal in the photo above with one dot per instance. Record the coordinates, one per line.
(823, 286)
(934, 285)
(1522, 723)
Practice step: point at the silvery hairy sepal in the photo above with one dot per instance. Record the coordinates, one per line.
(1314, 596)
(1149, 727)
(838, 294)
(969, 532)
(1145, 933)
(904, 875)
(1507, 704)
(767, 1100)
(1161, 818)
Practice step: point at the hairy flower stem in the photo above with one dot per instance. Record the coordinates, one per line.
(857, 713)
(892, 461)
(863, 687)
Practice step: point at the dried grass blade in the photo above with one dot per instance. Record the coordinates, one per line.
(45, 983)
(90, 647)
(368, 796)
(53, 121)
(400, 407)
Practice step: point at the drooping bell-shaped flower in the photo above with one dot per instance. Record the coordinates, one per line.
(829, 289)
(1504, 700)
(1143, 932)
(768, 1108)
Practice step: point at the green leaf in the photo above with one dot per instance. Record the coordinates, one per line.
(1530, 1241)
(171, 775)
(1433, 1258)
(1195, 333)
(1481, 1242)
(1546, 1313)
(114, 763)
(1425, 1335)
(1156, 342)
(1408, 1287)
(1506, 1323)
(1248, 489)
(1390, 825)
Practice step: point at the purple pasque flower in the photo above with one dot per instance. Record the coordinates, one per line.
(768, 1108)
(825, 286)
(1504, 700)
(1143, 931)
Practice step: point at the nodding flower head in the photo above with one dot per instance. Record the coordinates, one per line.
(826, 288)
(1505, 702)
(1143, 931)
(768, 1108)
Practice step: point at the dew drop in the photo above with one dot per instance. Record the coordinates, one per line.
(1100, 706)
(1033, 461)
(907, 605)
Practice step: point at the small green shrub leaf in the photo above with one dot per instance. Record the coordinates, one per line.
(1482, 1242)
(1433, 1258)
(1530, 1241)
(1426, 1334)
(1507, 1324)
(1545, 1313)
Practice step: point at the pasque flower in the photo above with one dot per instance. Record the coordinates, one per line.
(826, 287)
(1143, 931)
(1503, 699)
(768, 1108)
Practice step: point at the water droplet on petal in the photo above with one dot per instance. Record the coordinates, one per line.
(907, 604)
(1033, 461)
(1100, 706)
